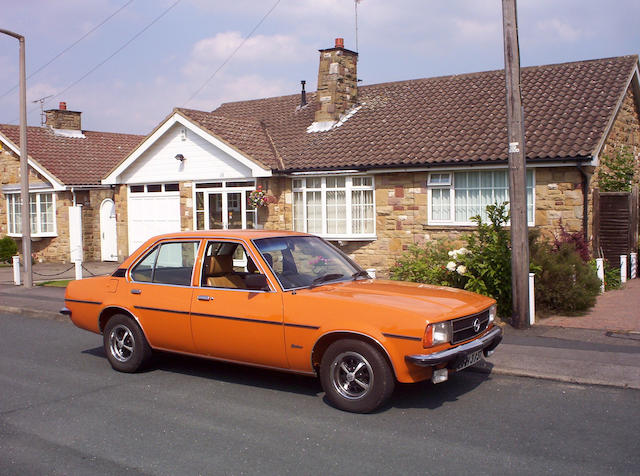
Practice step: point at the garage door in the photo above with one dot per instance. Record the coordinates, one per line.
(151, 213)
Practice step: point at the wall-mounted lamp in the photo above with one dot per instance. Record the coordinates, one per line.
(179, 157)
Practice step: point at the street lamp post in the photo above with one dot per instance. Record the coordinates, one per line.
(25, 211)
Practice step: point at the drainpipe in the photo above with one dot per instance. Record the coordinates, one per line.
(73, 194)
(585, 202)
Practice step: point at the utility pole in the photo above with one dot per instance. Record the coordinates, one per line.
(517, 168)
(25, 211)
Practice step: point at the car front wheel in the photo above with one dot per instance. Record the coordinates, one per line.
(125, 345)
(355, 376)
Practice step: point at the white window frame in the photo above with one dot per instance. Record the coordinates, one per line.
(452, 196)
(37, 195)
(349, 188)
(224, 190)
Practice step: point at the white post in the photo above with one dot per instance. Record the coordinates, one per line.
(532, 299)
(371, 272)
(78, 269)
(600, 272)
(623, 268)
(16, 270)
(634, 265)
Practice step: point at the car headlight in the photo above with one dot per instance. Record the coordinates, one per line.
(493, 310)
(437, 333)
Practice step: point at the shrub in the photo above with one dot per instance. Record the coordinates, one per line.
(422, 264)
(612, 279)
(564, 282)
(489, 259)
(617, 173)
(8, 248)
(575, 239)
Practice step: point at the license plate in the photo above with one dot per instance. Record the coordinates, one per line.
(469, 360)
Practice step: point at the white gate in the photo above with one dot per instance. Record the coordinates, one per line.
(108, 236)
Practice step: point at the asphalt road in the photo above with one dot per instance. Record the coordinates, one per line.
(64, 411)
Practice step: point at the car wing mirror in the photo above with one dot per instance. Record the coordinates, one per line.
(257, 282)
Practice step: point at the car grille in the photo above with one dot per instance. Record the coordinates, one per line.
(463, 327)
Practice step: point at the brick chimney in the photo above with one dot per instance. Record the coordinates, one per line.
(62, 119)
(337, 82)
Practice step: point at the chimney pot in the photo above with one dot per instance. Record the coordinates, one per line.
(62, 106)
(339, 42)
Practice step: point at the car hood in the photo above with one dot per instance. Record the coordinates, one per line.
(435, 303)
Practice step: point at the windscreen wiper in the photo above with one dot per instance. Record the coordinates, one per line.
(324, 278)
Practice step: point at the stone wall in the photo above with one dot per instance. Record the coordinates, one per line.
(122, 221)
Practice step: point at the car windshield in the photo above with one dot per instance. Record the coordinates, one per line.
(306, 261)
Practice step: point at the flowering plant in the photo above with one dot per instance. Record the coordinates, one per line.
(318, 263)
(259, 198)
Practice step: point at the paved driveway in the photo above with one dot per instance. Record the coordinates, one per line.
(617, 310)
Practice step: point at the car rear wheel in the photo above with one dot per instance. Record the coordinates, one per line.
(355, 376)
(125, 345)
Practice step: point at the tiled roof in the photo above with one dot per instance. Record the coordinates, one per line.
(451, 119)
(248, 136)
(74, 161)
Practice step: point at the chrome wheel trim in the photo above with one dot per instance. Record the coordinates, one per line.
(351, 375)
(121, 343)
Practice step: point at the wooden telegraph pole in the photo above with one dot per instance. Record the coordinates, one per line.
(517, 169)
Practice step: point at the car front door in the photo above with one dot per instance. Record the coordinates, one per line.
(230, 321)
(160, 294)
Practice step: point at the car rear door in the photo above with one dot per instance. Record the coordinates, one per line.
(160, 293)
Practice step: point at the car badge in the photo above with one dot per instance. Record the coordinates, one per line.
(476, 324)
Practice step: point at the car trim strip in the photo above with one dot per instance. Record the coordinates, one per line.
(302, 326)
(160, 310)
(398, 336)
(232, 318)
(83, 302)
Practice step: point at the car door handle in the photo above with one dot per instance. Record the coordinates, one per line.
(205, 298)
(136, 291)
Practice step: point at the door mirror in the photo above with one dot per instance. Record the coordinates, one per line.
(257, 282)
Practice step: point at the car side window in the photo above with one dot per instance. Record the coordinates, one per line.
(169, 263)
(226, 265)
(143, 271)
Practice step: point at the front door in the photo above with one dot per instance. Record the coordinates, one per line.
(224, 205)
(230, 321)
(108, 237)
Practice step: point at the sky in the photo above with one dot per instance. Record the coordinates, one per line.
(150, 56)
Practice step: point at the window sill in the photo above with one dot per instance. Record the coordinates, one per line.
(34, 236)
(349, 237)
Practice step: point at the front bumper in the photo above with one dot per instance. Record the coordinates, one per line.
(487, 343)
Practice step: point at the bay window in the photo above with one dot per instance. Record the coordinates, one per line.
(340, 207)
(456, 197)
(41, 213)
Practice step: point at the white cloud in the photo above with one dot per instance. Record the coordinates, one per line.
(209, 53)
(477, 30)
(554, 29)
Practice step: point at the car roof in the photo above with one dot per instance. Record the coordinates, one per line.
(244, 234)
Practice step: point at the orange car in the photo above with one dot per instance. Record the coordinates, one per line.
(282, 300)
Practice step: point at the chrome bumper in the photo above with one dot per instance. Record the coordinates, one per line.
(486, 343)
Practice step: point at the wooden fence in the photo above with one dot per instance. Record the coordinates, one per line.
(615, 224)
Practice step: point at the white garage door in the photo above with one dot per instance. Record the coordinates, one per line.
(151, 213)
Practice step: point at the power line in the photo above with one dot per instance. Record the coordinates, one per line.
(71, 45)
(127, 43)
(232, 54)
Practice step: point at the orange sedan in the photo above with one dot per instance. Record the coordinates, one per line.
(283, 300)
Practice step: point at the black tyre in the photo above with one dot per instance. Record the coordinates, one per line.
(355, 376)
(125, 344)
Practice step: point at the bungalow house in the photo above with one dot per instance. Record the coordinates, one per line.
(72, 213)
(377, 168)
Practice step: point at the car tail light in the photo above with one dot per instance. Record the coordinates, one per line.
(437, 333)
